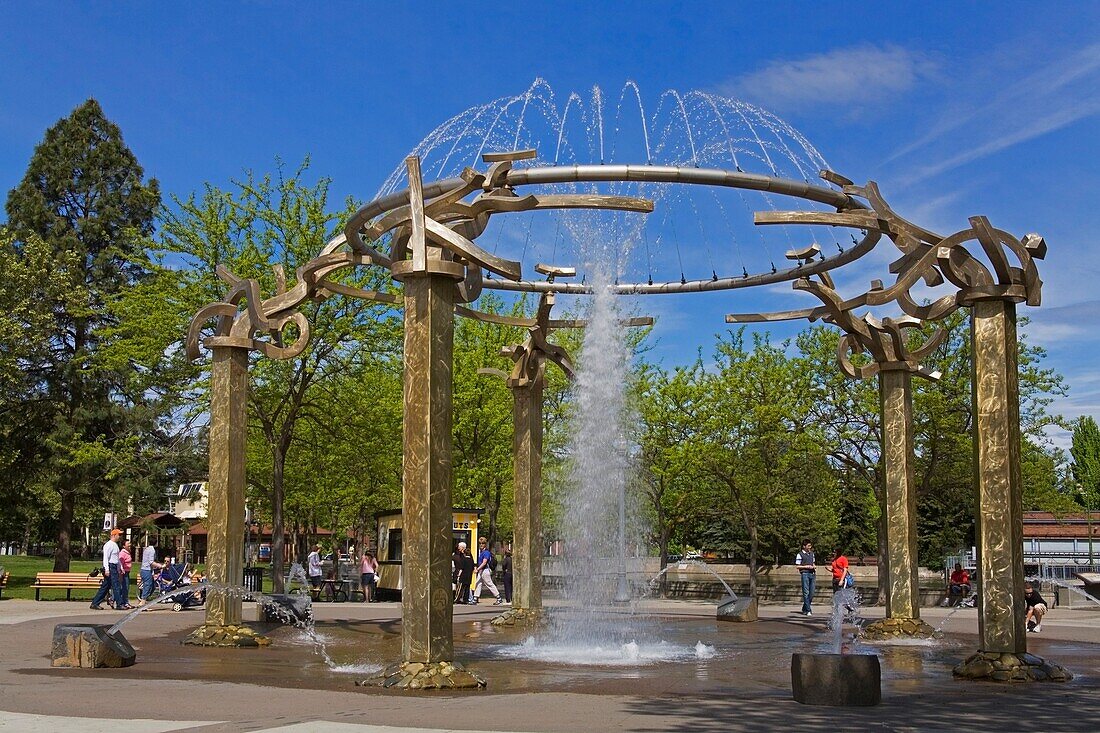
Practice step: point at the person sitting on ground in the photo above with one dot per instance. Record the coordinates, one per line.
(958, 587)
(1036, 608)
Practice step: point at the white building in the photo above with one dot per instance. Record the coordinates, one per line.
(188, 501)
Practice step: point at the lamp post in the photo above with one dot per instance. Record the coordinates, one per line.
(1088, 524)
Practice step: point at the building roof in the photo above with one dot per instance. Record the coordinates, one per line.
(162, 520)
(1046, 525)
(199, 528)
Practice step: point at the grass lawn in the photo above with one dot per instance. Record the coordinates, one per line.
(23, 569)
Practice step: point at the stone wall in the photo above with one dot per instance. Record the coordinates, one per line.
(775, 585)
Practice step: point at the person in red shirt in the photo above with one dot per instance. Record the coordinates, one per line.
(839, 568)
(959, 586)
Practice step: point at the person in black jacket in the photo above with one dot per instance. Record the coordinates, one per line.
(506, 568)
(1036, 608)
(463, 573)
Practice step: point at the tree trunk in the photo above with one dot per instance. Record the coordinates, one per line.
(25, 546)
(754, 556)
(278, 539)
(64, 531)
(494, 509)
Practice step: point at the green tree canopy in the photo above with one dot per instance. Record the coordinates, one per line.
(84, 196)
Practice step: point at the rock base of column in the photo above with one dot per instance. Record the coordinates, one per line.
(1010, 667)
(90, 646)
(898, 628)
(226, 636)
(425, 676)
(741, 609)
(522, 617)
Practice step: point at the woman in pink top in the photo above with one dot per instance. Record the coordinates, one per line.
(125, 562)
(368, 571)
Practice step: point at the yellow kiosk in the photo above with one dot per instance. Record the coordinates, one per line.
(464, 523)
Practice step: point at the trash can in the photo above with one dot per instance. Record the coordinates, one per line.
(254, 580)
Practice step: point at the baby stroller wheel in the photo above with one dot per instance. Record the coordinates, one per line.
(177, 606)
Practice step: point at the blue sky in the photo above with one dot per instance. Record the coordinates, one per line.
(981, 109)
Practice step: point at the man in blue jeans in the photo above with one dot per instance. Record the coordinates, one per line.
(804, 560)
(112, 577)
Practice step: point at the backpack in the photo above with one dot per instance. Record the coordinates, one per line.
(849, 581)
(492, 563)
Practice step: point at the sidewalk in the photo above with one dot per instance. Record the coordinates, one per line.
(746, 688)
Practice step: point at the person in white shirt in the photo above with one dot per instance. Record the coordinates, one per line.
(314, 563)
(148, 564)
(112, 577)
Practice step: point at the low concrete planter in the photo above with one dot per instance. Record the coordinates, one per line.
(838, 680)
(89, 646)
(288, 609)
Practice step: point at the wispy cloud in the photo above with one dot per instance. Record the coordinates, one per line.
(1064, 323)
(847, 76)
(1060, 92)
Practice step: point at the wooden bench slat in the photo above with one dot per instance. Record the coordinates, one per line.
(68, 581)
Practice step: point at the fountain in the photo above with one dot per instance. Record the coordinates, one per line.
(730, 608)
(692, 159)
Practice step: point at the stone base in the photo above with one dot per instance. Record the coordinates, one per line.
(898, 628)
(420, 676)
(90, 646)
(522, 617)
(288, 609)
(1009, 667)
(739, 609)
(836, 679)
(230, 636)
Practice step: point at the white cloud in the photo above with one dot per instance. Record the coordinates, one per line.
(983, 120)
(1071, 322)
(846, 76)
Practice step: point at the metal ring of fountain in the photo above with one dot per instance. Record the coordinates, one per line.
(619, 173)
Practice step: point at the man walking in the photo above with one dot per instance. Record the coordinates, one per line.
(484, 572)
(112, 579)
(148, 563)
(804, 560)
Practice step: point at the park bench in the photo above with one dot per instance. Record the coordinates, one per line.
(68, 581)
(3, 582)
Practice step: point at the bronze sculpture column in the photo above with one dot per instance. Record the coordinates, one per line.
(429, 285)
(231, 343)
(526, 381)
(899, 496)
(894, 363)
(996, 399)
(226, 483)
(527, 464)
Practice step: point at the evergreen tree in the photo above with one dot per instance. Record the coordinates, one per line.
(84, 196)
(1085, 449)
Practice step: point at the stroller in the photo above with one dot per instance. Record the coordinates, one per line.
(173, 577)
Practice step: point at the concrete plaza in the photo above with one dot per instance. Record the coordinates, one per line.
(176, 688)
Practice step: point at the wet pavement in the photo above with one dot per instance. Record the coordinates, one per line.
(682, 670)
